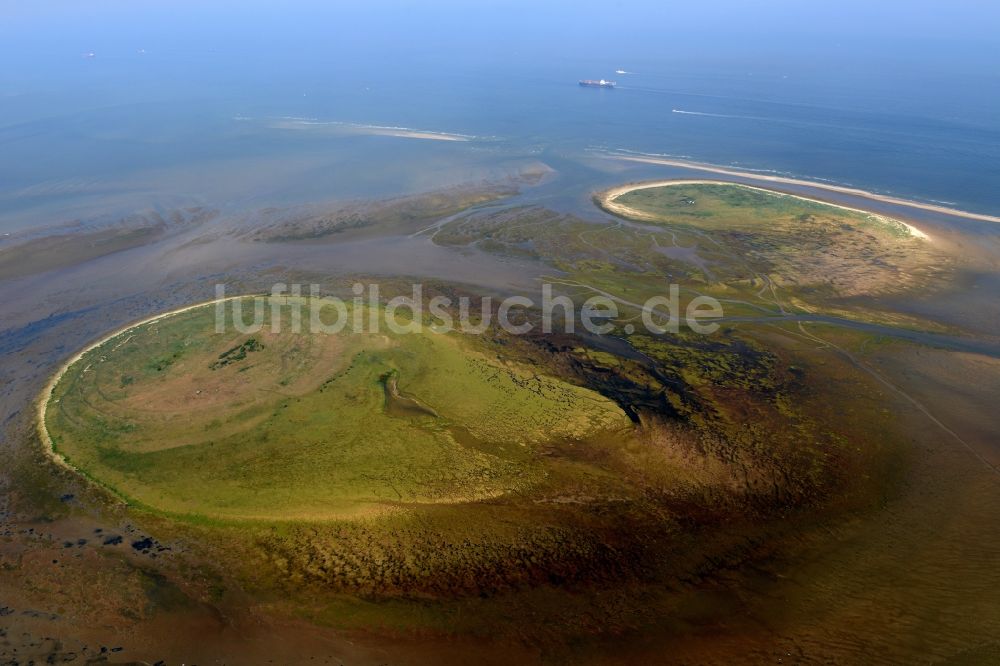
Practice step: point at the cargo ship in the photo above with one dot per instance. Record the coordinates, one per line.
(591, 83)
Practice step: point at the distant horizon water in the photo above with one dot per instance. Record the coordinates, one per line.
(121, 108)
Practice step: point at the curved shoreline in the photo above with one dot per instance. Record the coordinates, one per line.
(45, 397)
(607, 200)
(840, 189)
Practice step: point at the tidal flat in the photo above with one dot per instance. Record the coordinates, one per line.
(815, 481)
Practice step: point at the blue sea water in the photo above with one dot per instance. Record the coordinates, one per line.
(109, 106)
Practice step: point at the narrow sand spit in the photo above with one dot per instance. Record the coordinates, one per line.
(808, 183)
(608, 200)
(413, 134)
(338, 127)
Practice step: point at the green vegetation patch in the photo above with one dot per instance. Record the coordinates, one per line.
(285, 426)
(800, 244)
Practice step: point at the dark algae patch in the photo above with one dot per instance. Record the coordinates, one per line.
(237, 353)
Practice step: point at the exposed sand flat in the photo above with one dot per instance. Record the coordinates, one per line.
(608, 200)
(808, 183)
(371, 130)
(412, 134)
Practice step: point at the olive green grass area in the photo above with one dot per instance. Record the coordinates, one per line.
(296, 426)
(798, 243)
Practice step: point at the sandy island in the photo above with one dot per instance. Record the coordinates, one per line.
(609, 200)
(807, 183)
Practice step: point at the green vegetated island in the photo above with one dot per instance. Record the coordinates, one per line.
(282, 426)
(440, 466)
